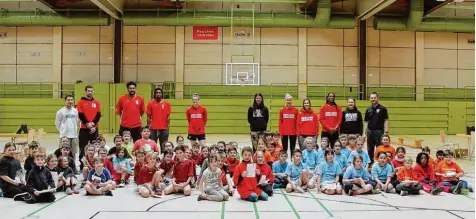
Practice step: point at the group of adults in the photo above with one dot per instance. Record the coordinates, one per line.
(130, 107)
(294, 125)
(297, 125)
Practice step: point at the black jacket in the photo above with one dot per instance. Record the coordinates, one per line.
(258, 118)
(352, 122)
(29, 163)
(39, 179)
(9, 166)
(67, 171)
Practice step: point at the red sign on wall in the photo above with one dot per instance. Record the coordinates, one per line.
(205, 33)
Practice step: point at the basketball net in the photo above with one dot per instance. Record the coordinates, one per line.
(242, 82)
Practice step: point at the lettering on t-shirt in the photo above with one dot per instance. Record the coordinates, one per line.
(258, 113)
(351, 117)
(307, 118)
(330, 114)
(196, 116)
(93, 105)
(288, 116)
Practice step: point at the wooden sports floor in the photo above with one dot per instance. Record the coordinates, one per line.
(127, 204)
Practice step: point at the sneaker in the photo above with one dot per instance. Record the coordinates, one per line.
(69, 191)
(376, 191)
(158, 191)
(393, 191)
(21, 196)
(455, 190)
(199, 198)
(436, 191)
(108, 193)
(353, 193)
(403, 193)
(122, 184)
(464, 192)
(231, 193)
(88, 194)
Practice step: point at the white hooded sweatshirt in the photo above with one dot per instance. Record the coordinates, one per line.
(67, 122)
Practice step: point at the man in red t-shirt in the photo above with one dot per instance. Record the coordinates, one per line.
(89, 112)
(158, 118)
(130, 108)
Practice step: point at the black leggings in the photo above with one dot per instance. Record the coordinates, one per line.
(135, 132)
(292, 142)
(267, 189)
(84, 138)
(10, 190)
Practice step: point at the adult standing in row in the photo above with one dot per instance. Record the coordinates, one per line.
(330, 117)
(287, 123)
(197, 117)
(307, 124)
(352, 122)
(130, 108)
(89, 112)
(258, 117)
(66, 122)
(376, 123)
(158, 118)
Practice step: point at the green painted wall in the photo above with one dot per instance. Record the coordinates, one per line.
(228, 116)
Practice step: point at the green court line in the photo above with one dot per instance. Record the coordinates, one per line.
(256, 210)
(223, 210)
(322, 205)
(48, 205)
(290, 204)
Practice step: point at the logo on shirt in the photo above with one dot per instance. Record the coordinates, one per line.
(258, 113)
(288, 116)
(330, 114)
(351, 117)
(307, 119)
(196, 116)
(147, 147)
(378, 110)
(137, 102)
(93, 105)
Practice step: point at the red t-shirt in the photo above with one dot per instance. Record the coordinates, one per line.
(147, 145)
(89, 108)
(197, 120)
(166, 166)
(330, 117)
(131, 110)
(109, 166)
(159, 111)
(231, 165)
(183, 170)
(287, 121)
(146, 174)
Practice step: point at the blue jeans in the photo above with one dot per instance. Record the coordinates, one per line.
(464, 184)
(254, 197)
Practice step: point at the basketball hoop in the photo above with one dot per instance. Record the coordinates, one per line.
(242, 82)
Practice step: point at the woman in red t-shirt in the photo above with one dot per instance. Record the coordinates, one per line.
(145, 143)
(287, 123)
(197, 120)
(330, 117)
(307, 123)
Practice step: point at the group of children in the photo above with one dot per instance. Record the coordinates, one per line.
(218, 170)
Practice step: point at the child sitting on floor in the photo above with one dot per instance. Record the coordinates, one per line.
(358, 151)
(99, 179)
(179, 140)
(182, 174)
(210, 185)
(225, 176)
(279, 171)
(118, 142)
(64, 140)
(425, 174)
(65, 150)
(450, 174)
(440, 157)
(271, 149)
(247, 183)
(232, 161)
(66, 174)
(122, 167)
(40, 182)
(266, 178)
(188, 156)
(357, 180)
(9, 167)
(211, 151)
(328, 174)
(262, 147)
(340, 158)
(385, 147)
(352, 139)
(33, 149)
(52, 166)
(140, 162)
(150, 179)
(427, 150)
(297, 174)
(344, 141)
(321, 151)
(382, 173)
(166, 167)
(102, 153)
(195, 151)
(167, 145)
(407, 181)
(88, 161)
(310, 156)
(398, 161)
